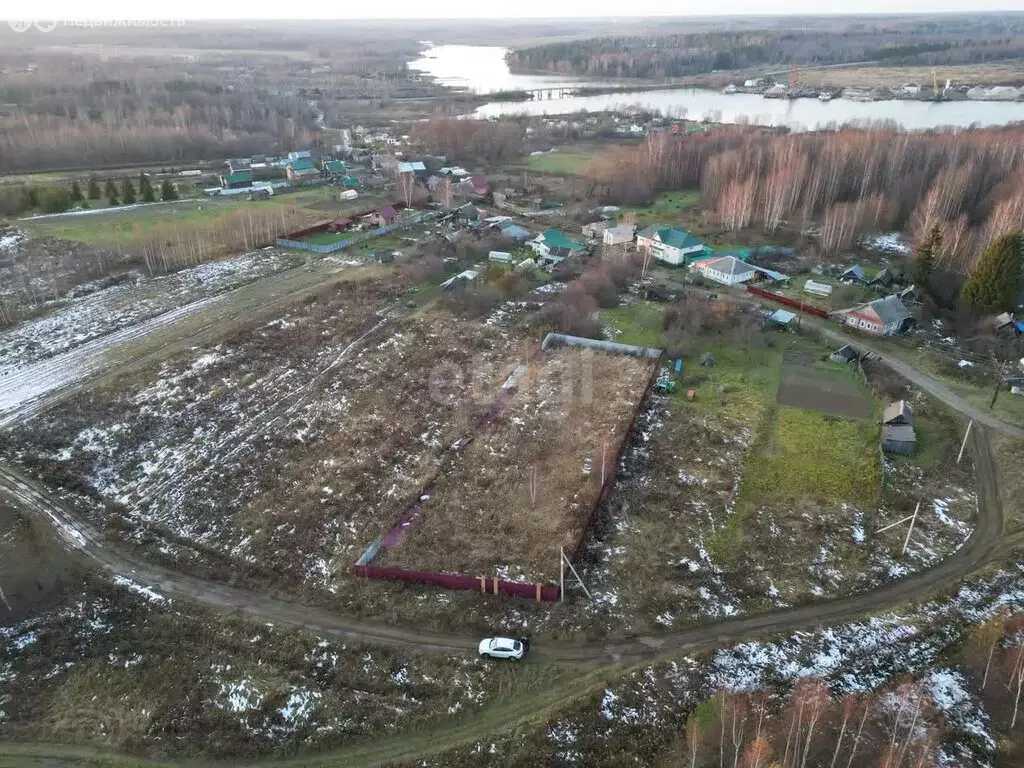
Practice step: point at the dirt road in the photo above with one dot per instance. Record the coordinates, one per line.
(602, 658)
(924, 381)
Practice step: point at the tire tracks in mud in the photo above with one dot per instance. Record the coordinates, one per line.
(597, 659)
(983, 541)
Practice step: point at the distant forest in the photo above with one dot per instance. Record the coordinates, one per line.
(947, 41)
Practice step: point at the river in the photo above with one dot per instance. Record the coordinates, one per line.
(482, 70)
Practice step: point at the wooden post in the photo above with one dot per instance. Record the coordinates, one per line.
(537, 591)
(483, 584)
(964, 443)
(495, 585)
(999, 380)
(561, 575)
(911, 528)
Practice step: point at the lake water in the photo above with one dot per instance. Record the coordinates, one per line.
(482, 69)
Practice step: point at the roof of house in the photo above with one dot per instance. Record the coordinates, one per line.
(515, 231)
(411, 167)
(499, 256)
(387, 212)
(846, 352)
(856, 271)
(238, 177)
(555, 238)
(622, 229)
(777, 276)
(898, 433)
(479, 181)
(301, 164)
(727, 265)
(678, 238)
(350, 181)
(890, 309)
(334, 165)
(884, 277)
(898, 412)
(783, 316)
(299, 153)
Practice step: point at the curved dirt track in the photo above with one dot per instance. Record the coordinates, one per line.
(985, 540)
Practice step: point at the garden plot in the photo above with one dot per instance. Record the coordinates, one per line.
(523, 488)
(733, 504)
(280, 452)
(809, 384)
(130, 299)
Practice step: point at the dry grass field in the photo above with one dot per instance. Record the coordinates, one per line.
(524, 488)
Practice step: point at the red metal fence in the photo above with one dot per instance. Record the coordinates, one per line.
(792, 303)
(485, 584)
(492, 584)
(588, 522)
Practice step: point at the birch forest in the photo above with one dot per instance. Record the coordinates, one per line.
(836, 185)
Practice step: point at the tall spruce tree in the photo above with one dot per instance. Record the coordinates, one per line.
(924, 258)
(93, 189)
(76, 192)
(168, 190)
(111, 193)
(145, 189)
(127, 192)
(995, 282)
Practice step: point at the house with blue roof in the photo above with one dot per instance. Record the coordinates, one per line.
(668, 244)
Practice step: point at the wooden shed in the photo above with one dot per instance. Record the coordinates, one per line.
(898, 438)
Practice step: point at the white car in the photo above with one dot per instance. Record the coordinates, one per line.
(504, 648)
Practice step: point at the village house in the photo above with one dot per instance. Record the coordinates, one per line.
(236, 179)
(727, 270)
(334, 168)
(595, 229)
(854, 274)
(618, 235)
(301, 169)
(383, 216)
(881, 317)
(673, 246)
(553, 246)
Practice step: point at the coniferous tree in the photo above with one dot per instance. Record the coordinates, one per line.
(146, 189)
(93, 190)
(76, 192)
(924, 258)
(994, 284)
(168, 190)
(127, 192)
(111, 193)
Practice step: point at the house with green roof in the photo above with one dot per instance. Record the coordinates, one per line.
(334, 168)
(673, 246)
(236, 179)
(300, 169)
(554, 246)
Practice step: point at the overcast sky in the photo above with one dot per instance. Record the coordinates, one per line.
(398, 9)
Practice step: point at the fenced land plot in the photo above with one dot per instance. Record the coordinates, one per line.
(526, 487)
